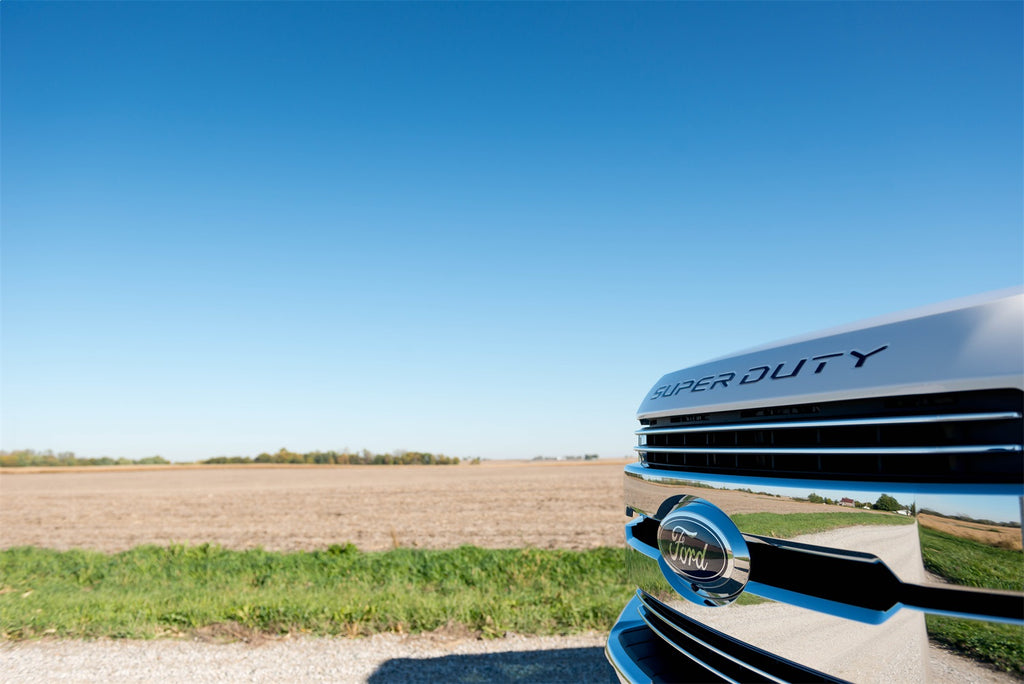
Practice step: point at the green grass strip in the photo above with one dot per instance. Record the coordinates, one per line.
(970, 563)
(998, 644)
(154, 591)
(788, 525)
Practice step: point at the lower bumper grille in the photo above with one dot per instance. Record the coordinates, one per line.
(726, 658)
(665, 646)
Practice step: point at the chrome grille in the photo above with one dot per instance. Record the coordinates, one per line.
(720, 657)
(971, 437)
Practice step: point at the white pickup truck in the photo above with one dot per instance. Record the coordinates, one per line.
(784, 497)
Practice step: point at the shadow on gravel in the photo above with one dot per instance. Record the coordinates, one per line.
(565, 665)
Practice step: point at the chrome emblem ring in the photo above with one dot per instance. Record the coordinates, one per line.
(703, 554)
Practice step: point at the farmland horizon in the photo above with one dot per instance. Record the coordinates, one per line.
(49, 458)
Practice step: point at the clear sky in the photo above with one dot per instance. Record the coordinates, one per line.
(480, 230)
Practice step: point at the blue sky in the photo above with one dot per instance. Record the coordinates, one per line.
(481, 230)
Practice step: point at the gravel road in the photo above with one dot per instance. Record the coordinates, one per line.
(383, 658)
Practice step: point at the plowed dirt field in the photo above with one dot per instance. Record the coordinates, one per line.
(565, 505)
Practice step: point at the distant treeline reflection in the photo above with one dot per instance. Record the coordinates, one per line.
(29, 458)
(342, 458)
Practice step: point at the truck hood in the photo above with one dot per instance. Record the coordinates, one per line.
(965, 344)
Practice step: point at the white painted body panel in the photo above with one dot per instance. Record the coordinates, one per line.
(968, 344)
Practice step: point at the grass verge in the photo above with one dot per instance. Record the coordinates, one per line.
(969, 563)
(155, 591)
(1000, 645)
(788, 525)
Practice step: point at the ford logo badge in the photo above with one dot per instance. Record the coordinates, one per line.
(703, 554)
(693, 549)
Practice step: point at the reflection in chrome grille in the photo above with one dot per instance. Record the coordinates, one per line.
(726, 658)
(952, 437)
(822, 574)
(854, 585)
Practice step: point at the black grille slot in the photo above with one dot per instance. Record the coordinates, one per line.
(722, 657)
(973, 437)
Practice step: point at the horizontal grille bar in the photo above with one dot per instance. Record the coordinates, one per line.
(723, 656)
(661, 628)
(955, 437)
(851, 422)
(872, 451)
(858, 586)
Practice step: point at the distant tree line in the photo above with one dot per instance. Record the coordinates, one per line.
(817, 498)
(341, 458)
(884, 503)
(29, 458)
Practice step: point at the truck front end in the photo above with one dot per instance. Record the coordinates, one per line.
(792, 506)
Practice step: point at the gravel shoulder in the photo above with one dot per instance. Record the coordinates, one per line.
(380, 658)
(392, 658)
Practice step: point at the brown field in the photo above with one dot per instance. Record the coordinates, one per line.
(992, 535)
(497, 504)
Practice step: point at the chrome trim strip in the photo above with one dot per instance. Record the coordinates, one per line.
(664, 637)
(867, 451)
(663, 476)
(633, 542)
(659, 586)
(703, 643)
(851, 422)
(625, 669)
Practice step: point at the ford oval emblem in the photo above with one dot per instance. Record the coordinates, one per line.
(693, 549)
(703, 554)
